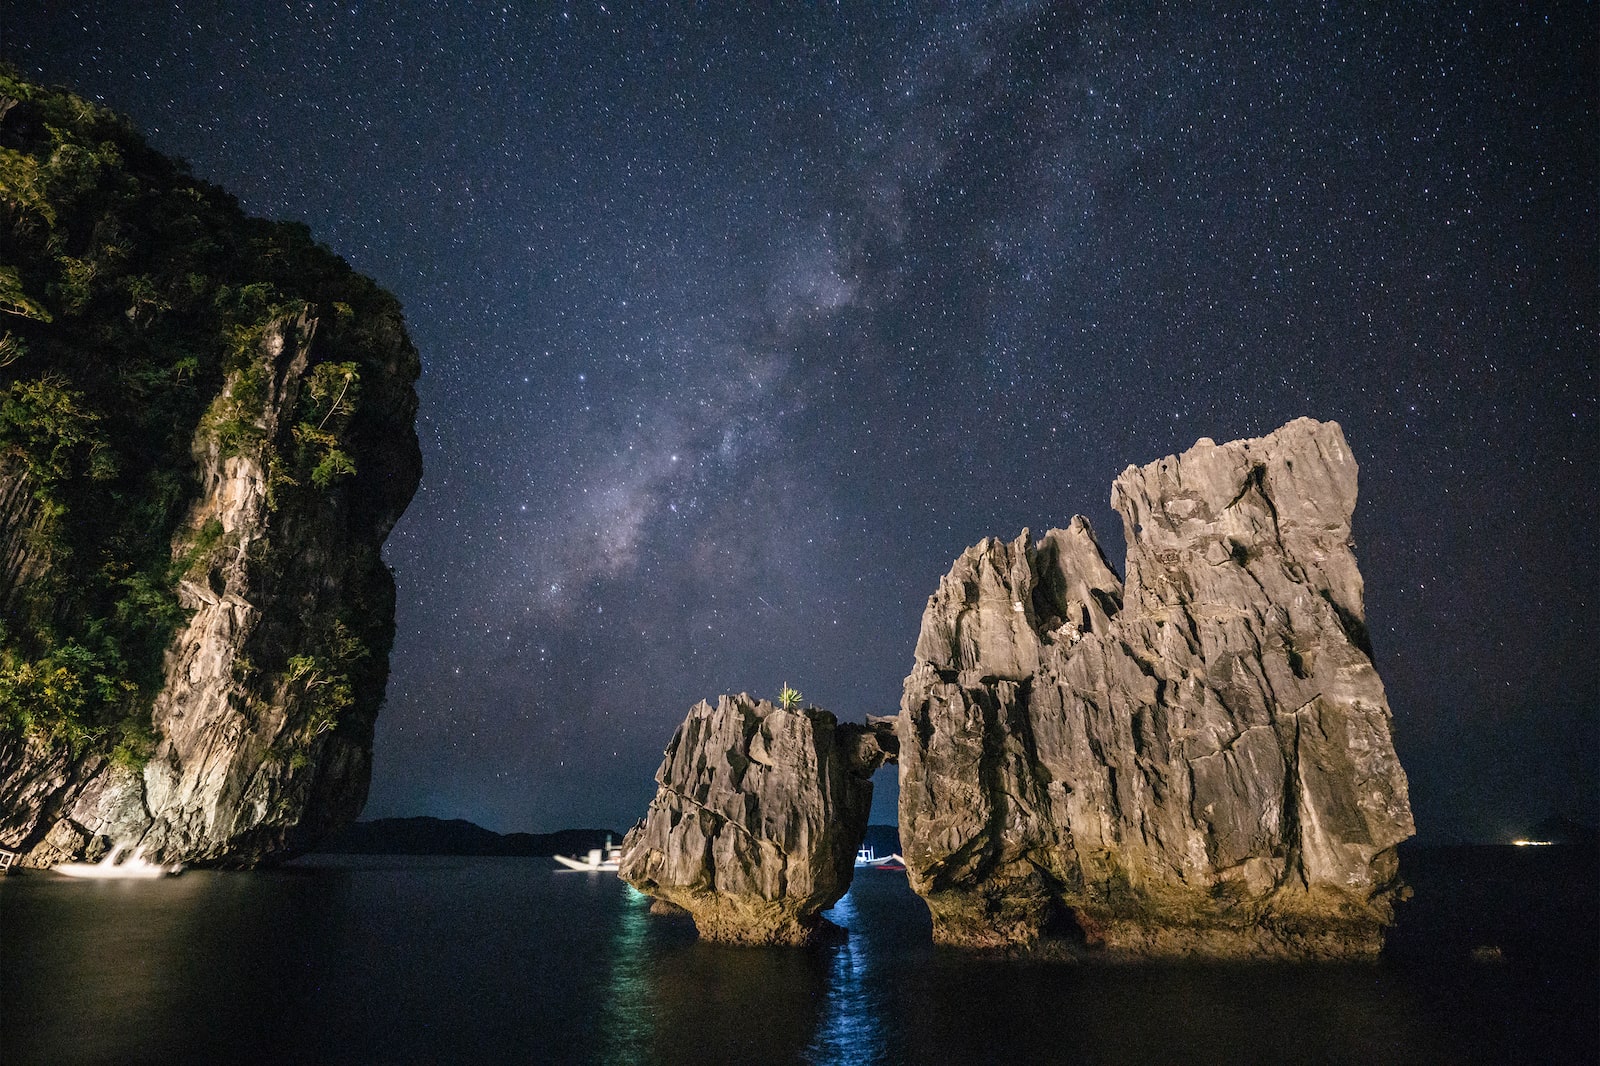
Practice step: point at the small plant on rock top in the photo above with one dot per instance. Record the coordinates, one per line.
(789, 698)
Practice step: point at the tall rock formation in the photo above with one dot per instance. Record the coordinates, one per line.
(1198, 763)
(206, 433)
(755, 827)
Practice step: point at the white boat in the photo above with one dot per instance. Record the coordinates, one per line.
(118, 864)
(606, 858)
(865, 857)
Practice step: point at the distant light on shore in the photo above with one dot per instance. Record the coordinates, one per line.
(1533, 843)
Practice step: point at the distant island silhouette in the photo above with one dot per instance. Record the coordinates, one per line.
(455, 836)
(425, 835)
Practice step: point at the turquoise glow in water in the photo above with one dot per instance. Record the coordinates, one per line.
(629, 1013)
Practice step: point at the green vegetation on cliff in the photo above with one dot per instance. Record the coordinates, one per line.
(134, 300)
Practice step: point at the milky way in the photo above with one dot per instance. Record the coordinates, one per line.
(738, 328)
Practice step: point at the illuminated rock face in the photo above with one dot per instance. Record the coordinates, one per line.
(755, 827)
(1199, 763)
(286, 600)
(207, 433)
(1196, 763)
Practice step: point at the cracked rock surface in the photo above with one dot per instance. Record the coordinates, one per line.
(1196, 763)
(755, 826)
(244, 768)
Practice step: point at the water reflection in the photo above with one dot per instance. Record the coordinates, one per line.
(500, 960)
(682, 999)
(114, 968)
(722, 1003)
(850, 1029)
(629, 1010)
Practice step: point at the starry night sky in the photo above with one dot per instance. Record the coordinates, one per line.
(737, 329)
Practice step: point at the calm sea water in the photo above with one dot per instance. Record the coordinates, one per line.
(445, 960)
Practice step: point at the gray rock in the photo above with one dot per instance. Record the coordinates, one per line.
(291, 601)
(1197, 764)
(755, 826)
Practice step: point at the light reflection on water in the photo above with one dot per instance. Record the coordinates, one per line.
(849, 1031)
(395, 960)
(629, 1010)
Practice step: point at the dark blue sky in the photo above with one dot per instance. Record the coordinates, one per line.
(737, 329)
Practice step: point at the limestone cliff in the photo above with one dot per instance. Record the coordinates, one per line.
(1198, 763)
(755, 827)
(206, 433)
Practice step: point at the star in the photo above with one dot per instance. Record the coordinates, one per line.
(799, 304)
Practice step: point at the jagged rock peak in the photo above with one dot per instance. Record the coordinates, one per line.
(1200, 763)
(756, 823)
(1002, 604)
(1288, 495)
